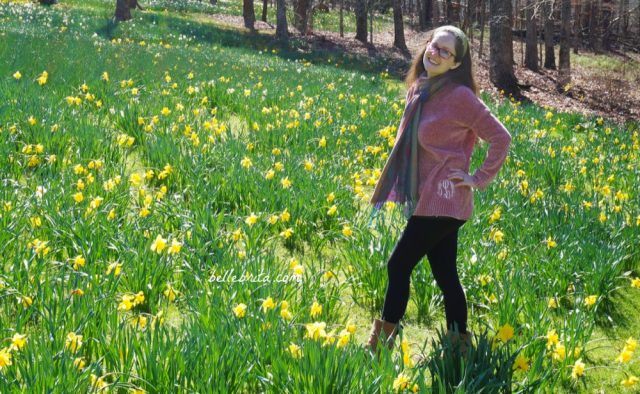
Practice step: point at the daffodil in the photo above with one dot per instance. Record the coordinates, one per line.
(630, 381)
(18, 341)
(552, 338)
(175, 247)
(43, 78)
(624, 356)
(590, 300)
(559, 352)
(521, 363)
(5, 358)
(401, 382)
(295, 350)
(170, 292)
(78, 262)
(251, 219)
(315, 330)
(267, 304)
(159, 244)
(246, 162)
(316, 309)
(550, 243)
(240, 310)
(286, 183)
(505, 332)
(73, 342)
(79, 362)
(578, 369)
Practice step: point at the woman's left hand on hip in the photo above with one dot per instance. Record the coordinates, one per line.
(465, 179)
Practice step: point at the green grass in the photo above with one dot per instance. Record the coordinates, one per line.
(607, 64)
(208, 195)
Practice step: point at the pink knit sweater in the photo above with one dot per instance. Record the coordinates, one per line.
(449, 126)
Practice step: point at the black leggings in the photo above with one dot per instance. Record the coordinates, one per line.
(437, 237)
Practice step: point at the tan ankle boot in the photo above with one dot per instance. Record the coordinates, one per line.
(462, 340)
(389, 331)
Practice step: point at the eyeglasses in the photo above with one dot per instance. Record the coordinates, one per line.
(443, 52)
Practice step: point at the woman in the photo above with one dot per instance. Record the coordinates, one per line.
(427, 171)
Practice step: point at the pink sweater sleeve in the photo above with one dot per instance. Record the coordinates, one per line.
(490, 129)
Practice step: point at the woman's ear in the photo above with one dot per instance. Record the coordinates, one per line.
(456, 65)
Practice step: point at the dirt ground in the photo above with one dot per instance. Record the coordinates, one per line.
(593, 92)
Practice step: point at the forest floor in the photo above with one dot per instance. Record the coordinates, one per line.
(604, 84)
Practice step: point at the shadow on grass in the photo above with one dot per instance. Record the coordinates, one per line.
(107, 30)
(313, 48)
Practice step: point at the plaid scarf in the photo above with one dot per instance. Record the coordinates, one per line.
(399, 179)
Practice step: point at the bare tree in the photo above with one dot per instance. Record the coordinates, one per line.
(398, 27)
(248, 14)
(361, 20)
(564, 72)
(549, 54)
(623, 25)
(531, 53)
(594, 26)
(265, 3)
(577, 27)
(605, 21)
(341, 18)
(282, 31)
(469, 17)
(501, 47)
(448, 11)
(301, 11)
(426, 16)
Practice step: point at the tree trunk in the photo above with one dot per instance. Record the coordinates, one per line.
(448, 11)
(213, 2)
(282, 31)
(577, 27)
(549, 54)
(531, 55)
(265, 3)
(398, 27)
(540, 47)
(501, 47)
(341, 18)
(564, 72)
(623, 23)
(123, 10)
(248, 14)
(47, 2)
(370, 12)
(607, 11)
(301, 15)
(467, 24)
(361, 20)
(483, 18)
(594, 42)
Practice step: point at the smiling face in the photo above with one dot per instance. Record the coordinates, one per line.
(439, 56)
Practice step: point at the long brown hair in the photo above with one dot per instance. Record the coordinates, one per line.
(463, 74)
